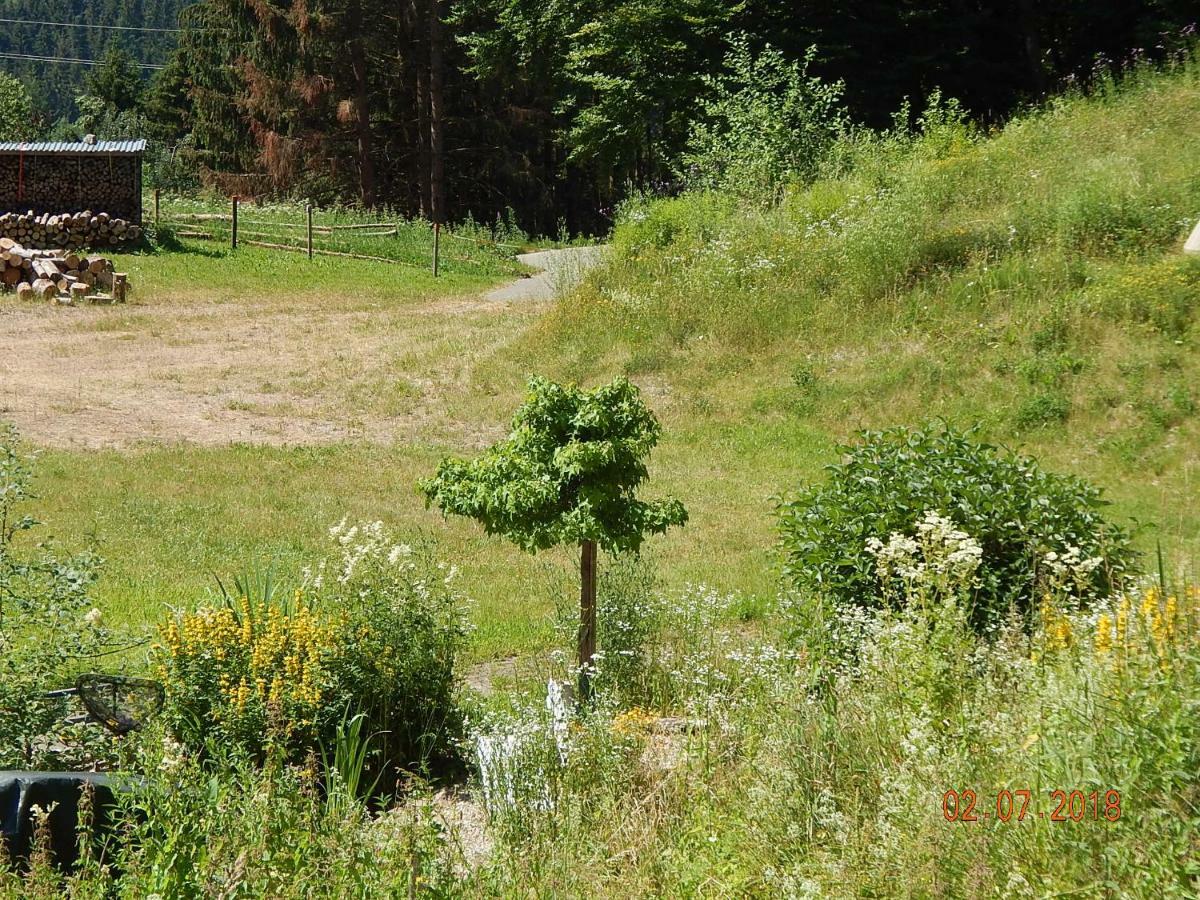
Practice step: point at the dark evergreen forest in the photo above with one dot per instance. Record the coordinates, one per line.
(54, 86)
(552, 108)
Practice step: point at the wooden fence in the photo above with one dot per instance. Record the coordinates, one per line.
(205, 226)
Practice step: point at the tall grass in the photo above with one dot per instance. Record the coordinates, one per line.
(950, 219)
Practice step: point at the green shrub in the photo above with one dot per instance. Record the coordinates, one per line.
(767, 122)
(376, 632)
(1046, 408)
(1025, 520)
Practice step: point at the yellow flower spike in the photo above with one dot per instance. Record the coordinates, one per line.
(1103, 634)
(1150, 603)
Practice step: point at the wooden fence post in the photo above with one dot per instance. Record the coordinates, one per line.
(437, 240)
(233, 239)
(308, 212)
(587, 617)
(156, 193)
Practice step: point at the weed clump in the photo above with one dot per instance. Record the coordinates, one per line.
(375, 633)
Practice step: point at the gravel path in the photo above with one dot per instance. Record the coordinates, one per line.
(559, 271)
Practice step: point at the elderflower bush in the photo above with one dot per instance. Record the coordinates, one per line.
(374, 630)
(1026, 524)
(939, 559)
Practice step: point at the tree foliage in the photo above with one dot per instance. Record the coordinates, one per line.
(567, 473)
(764, 121)
(16, 110)
(116, 81)
(558, 108)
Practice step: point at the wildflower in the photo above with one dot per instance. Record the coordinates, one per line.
(93, 617)
(1122, 620)
(1103, 641)
(632, 722)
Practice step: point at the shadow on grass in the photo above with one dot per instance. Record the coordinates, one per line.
(166, 240)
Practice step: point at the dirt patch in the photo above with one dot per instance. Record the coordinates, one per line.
(486, 677)
(258, 372)
(222, 373)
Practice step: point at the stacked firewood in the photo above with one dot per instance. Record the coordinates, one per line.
(72, 231)
(59, 275)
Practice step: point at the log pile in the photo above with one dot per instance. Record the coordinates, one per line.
(50, 182)
(60, 276)
(69, 231)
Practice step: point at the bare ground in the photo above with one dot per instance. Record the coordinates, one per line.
(254, 371)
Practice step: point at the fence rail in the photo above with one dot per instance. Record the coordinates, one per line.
(338, 237)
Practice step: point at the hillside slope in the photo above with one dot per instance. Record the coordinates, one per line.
(1030, 281)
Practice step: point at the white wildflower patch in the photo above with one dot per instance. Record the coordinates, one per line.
(1069, 572)
(940, 558)
(519, 757)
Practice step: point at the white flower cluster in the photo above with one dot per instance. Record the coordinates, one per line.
(357, 543)
(939, 556)
(514, 765)
(1070, 566)
(502, 774)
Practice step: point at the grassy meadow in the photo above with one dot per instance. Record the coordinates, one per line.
(1028, 282)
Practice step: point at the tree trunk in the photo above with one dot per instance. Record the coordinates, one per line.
(423, 160)
(437, 171)
(422, 78)
(587, 617)
(362, 123)
(1032, 40)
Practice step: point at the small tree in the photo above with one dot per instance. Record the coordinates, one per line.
(567, 473)
(765, 121)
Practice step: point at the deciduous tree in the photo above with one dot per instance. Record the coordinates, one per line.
(568, 473)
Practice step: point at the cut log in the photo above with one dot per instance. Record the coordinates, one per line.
(44, 289)
(24, 291)
(79, 291)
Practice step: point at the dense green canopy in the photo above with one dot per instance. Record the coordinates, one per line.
(553, 109)
(567, 473)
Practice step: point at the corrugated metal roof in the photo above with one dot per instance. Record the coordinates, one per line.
(118, 147)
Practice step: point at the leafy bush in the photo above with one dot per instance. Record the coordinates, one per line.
(376, 633)
(47, 622)
(1026, 521)
(252, 675)
(767, 122)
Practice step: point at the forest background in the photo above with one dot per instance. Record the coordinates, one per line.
(555, 110)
